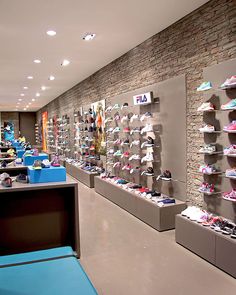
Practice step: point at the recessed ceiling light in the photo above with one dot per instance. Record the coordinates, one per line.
(51, 78)
(89, 36)
(43, 88)
(24, 109)
(29, 103)
(25, 87)
(22, 94)
(37, 94)
(33, 99)
(20, 99)
(30, 77)
(65, 62)
(18, 102)
(37, 61)
(51, 33)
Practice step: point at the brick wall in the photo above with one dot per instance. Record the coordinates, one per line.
(202, 38)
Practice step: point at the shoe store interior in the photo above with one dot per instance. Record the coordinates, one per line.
(118, 147)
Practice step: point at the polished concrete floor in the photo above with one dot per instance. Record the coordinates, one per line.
(124, 256)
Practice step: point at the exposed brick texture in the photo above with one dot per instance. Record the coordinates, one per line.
(202, 38)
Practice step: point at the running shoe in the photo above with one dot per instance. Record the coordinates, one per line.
(148, 172)
(166, 176)
(118, 153)
(37, 165)
(117, 141)
(230, 172)
(208, 169)
(124, 118)
(204, 86)
(148, 143)
(125, 105)
(147, 115)
(206, 106)
(22, 178)
(231, 127)
(147, 128)
(134, 117)
(6, 180)
(208, 149)
(230, 196)
(229, 83)
(126, 130)
(46, 163)
(207, 128)
(135, 143)
(125, 155)
(134, 157)
(127, 167)
(116, 106)
(125, 142)
(116, 130)
(231, 150)
(231, 105)
(108, 109)
(135, 130)
(3, 164)
(147, 158)
(207, 188)
(117, 164)
(56, 162)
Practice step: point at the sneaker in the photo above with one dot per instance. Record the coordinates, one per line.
(124, 118)
(22, 178)
(117, 117)
(166, 201)
(231, 150)
(135, 143)
(233, 234)
(35, 152)
(229, 83)
(230, 196)
(148, 143)
(92, 148)
(134, 157)
(117, 142)
(208, 149)
(135, 170)
(134, 117)
(207, 188)
(204, 86)
(125, 142)
(37, 165)
(46, 163)
(111, 152)
(231, 105)
(125, 155)
(135, 130)
(125, 105)
(108, 109)
(127, 167)
(206, 106)
(148, 172)
(109, 119)
(121, 181)
(55, 162)
(147, 128)
(230, 172)
(118, 153)
(231, 127)
(3, 164)
(116, 130)
(146, 116)
(207, 128)
(110, 130)
(6, 180)
(208, 169)
(116, 106)
(166, 176)
(126, 130)
(147, 158)
(117, 164)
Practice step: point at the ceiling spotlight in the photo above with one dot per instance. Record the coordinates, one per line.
(43, 88)
(65, 62)
(89, 36)
(18, 102)
(29, 103)
(24, 109)
(37, 61)
(20, 99)
(27, 106)
(22, 94)
(30, 77)
(33, 99)
(51, 33)
(37, 94)
(25, 87)
(51, 78)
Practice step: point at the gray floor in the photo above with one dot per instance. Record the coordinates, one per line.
(124, 256)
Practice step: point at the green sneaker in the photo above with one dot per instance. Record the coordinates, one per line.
(117, 153)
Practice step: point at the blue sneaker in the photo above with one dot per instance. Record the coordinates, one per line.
(231, 105)
(204, 86)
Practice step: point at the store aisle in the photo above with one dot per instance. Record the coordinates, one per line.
(124, 256)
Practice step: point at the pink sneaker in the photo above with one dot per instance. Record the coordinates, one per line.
(230, 196)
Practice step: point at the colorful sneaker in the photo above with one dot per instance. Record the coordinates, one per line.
(148, 143)
(117, 141)
(6, 180)
(231, 127)
(229, 83)
(207, 188)
(207, 128)
(208, 149)
(148, 172)
(230, 172)
(37, 165)
(206, 106)
(92, 147)
(135, 143)
(117, 117)
(46, 163)
(231, 150)
(134, 117)
(208, 169)
(231, 105)
(147, 115)
(166, 176)
(125, 155)
(125, 142)
(127, 167)
(204, 86)
(116, 130)
(35, 152)
(117, 165)
(147, 128)
(147, 158)
(126, 130)
(22, 178)
(118, 153)
(230, 196)
(56, 162)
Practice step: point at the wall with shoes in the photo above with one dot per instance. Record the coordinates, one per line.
(195, 42)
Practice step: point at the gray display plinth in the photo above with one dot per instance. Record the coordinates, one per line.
(214, 247)
(83, 176)
(160, 218)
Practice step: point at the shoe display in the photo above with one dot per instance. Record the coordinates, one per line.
(208, 149)
(148, 143)
(231, 128)
(204, 86)
(206, 106)
(46, 163)
(134, 117)
(147, 128)
(147, 158)
(229, 83)
(148, 172)
(231, 150)
(22, 178)
(231, 105)
(207, 128)
(37, 165)
(147, 115)
(166, 176)
(118, 153)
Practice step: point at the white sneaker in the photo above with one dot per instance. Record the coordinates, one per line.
(147, 128)
(124, 118)
(134, 117)
(147, 158)
(134, 157)
(207, 128)
(135, 142)
(206, 106)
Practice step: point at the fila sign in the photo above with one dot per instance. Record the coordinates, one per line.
(142, 99)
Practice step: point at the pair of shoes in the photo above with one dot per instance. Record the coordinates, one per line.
(6, 180)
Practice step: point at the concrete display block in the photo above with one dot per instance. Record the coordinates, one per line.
(52, 174)
(195, 237)
(29, 161)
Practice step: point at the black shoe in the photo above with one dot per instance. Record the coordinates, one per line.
(227, 228)
(148, 172)
(166, 176)
(233, 234)
(150, 141)
(22, 178)
(3, 164)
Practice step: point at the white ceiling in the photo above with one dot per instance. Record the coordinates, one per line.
(119, 26)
